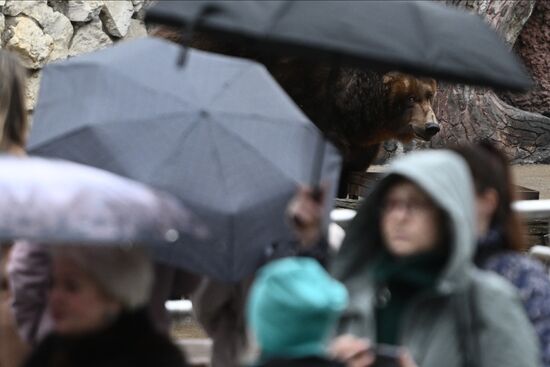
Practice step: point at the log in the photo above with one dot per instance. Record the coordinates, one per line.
(467, 113)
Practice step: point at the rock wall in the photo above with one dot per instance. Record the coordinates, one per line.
(533, 46)
(42, 31)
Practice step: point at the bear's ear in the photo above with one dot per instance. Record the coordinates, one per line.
(390, 77)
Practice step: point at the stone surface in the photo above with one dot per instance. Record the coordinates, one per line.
(136, 30)
(89, 37)
(533, 46)
(78, 10)
(138, 5)
(116, 16)
(28, 40)
(55, 24)
(2, 23)
(31, 89)
(16, 7)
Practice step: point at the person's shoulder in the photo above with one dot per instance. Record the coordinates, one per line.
(158, 348)
(490, 285)
(146, 346)
(512, 261)
(520, 269)
(42, 354)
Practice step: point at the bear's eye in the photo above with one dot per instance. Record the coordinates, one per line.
(411, 100)
(429, 96)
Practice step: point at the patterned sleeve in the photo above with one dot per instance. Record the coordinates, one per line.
(532, 280)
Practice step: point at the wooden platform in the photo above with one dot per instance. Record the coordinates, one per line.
(360, 183)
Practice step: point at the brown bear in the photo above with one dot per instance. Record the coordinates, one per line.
(356, 109)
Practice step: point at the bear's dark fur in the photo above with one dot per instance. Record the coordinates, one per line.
(356, 109)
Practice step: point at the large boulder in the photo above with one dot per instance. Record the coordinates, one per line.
(116, 16)
(55, 24)
(89, 37)
(16, 7)
(28, 40)
(136, 30)
(78, 10)
(138, 5)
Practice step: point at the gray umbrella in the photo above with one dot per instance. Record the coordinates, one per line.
(220, 134)
(420, 37)
(55, 201)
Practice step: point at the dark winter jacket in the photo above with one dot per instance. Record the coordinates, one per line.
(531, 279)
(131, 341)
(302, 362)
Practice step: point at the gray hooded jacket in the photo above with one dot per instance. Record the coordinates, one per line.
(472, 318)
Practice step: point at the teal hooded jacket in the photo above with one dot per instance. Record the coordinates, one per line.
(469, 317)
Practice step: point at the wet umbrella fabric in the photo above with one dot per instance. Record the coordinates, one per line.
(420, 37)
(219, 133)
(55, 201)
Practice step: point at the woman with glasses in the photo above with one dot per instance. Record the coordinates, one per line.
(407, 264)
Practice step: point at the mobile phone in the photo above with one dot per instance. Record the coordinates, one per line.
(386, 355)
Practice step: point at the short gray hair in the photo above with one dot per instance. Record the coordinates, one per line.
(123, 274)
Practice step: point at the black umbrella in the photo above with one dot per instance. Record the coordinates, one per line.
(220, 134)
(419, 37)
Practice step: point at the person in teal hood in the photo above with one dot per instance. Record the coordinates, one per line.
(406, 261)
(293, 309)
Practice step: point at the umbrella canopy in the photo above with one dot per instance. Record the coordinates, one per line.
(55, 201)
(419, 37)
(220, 134)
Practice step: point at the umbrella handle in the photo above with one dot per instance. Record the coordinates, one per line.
(318, 160)
(187, 35)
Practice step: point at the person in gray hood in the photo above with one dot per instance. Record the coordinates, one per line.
(407, 263)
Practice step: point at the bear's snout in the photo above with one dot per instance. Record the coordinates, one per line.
(431, 129)
(426, 131)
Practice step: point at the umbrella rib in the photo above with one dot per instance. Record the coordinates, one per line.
(77, 129)
(304, 124)
(183, 135)
(283, 10)
(140, 84)
(231, 229)
(252, 149)
(227, 84)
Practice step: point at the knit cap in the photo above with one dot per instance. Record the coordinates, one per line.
(293, 308)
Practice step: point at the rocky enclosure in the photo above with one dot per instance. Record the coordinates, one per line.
(42, 31)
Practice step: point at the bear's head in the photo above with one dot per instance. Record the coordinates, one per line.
(409, 103)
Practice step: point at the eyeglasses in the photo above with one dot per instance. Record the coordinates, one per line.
(412, 207)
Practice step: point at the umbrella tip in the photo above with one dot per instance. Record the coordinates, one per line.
(183, 56)
(171, 235)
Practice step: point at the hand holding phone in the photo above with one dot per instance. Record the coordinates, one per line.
(387, 355)
(392, 356)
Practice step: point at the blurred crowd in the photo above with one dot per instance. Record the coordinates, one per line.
(432, 271)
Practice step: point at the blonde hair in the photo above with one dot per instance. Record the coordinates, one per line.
(13, 114)
(123, 274)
